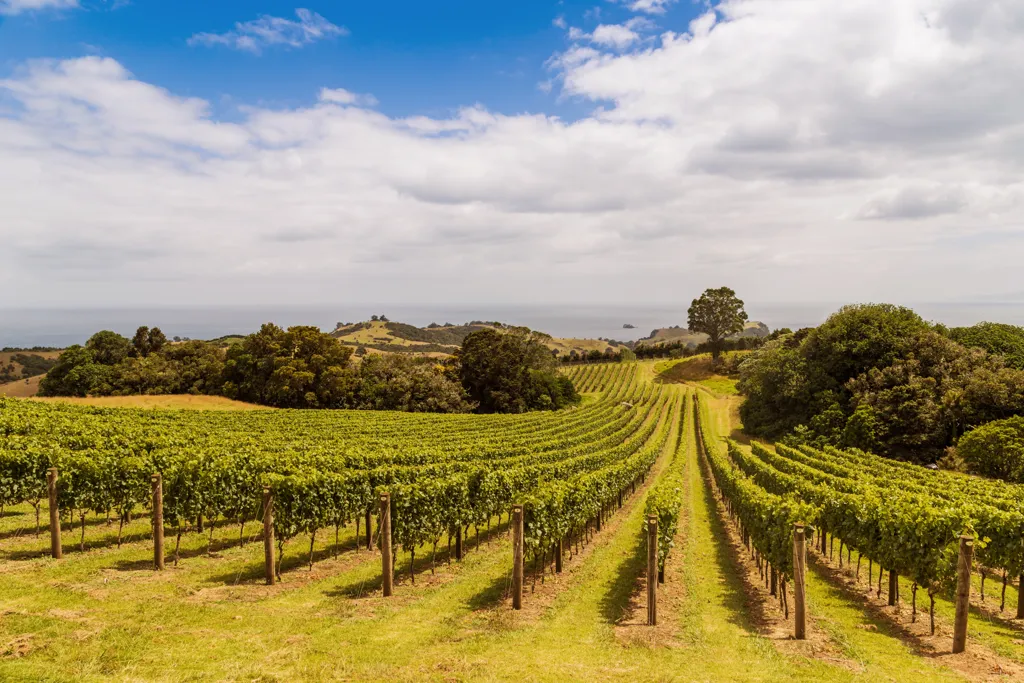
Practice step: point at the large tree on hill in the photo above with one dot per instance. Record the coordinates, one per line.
(718, 313)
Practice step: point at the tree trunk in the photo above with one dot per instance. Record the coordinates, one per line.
(913, 603)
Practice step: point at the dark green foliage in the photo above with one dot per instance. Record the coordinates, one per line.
(996, 338)
(140, 342)
(510, 372)
(298, 368)
(995, 449)
(875, 377)
(192, 367)
(77, 373)
(718, 314)
(108, 348)
(400, 382)
(451, 336)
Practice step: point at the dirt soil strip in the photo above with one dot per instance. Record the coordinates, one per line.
(978, 662)
(539, 595)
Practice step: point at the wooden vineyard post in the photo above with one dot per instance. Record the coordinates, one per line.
(517, 557)
(652, 570)
(158, 521)
(1020, 597)
(369, 533)
(799, 576)
(268, 536)
(963, 593)
(387, 566)
(51, 488)
(559, 550)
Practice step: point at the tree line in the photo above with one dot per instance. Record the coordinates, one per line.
(879, 378)
(302, 367)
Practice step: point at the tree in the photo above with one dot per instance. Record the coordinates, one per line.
(157, 340)
(995, 449)
(298, 368)
(875, 377)
(718, 314)
(77, 373)
(140, 342)
(510, 372)
(402, 382)
(996, 338)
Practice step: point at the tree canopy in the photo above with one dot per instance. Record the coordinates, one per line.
(718, 313)
(510, 372)
(995, 449)
(875, 377)
(996, 338)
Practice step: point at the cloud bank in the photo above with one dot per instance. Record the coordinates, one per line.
(794, 150)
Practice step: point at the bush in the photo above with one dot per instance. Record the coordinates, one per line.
(995, 449)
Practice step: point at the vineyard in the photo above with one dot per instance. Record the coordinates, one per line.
(245, 545)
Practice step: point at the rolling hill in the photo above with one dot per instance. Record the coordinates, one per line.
(681, 334)
(440, 340)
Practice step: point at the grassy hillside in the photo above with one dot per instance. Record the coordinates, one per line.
(18, 386)
(682, 334)
(21, 388)
(394, 337)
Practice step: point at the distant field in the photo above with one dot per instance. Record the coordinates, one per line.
(21, 388)
(378, 333)
(168, 402)
(564, 346)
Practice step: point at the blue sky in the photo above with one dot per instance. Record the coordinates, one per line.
(598, 152)
(414, 57)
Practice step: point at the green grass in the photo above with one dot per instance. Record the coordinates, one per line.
(723, 386)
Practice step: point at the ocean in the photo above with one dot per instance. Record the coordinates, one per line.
(63, 327)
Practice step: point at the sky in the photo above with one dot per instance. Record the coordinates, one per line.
(609, 151)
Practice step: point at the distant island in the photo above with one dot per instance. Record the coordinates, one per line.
(627, 326)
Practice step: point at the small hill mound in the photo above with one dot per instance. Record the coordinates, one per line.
(396, 337)
(666, 335)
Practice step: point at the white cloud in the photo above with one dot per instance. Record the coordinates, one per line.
(559, 22)
(649, 6)
(253, 36)
(345, 97)
(613, 35)
(11, 7)
(883, 154)
(617, 36)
